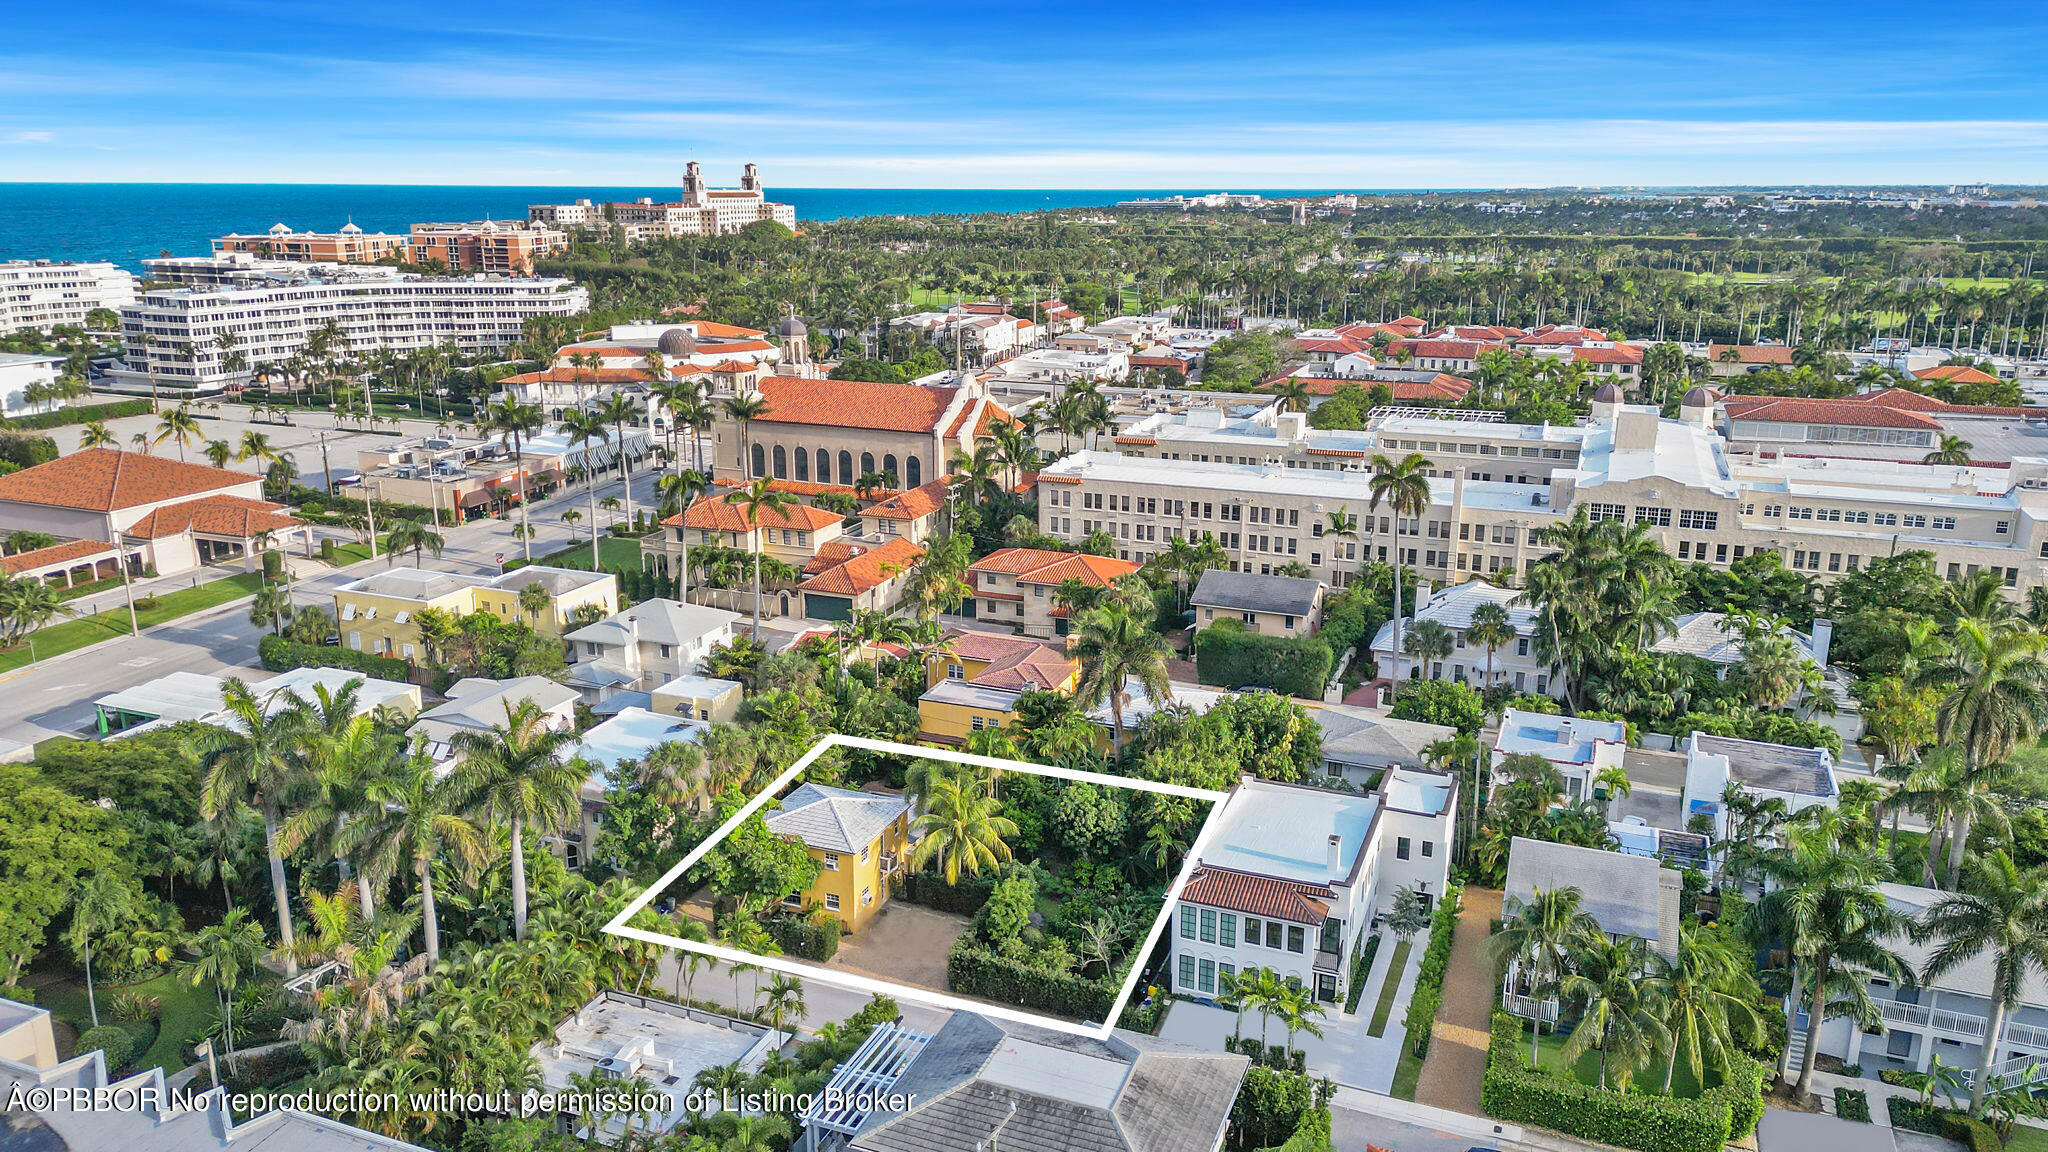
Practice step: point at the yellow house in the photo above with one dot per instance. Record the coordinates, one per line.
(378, 614)
(860, 841)
(974, 679)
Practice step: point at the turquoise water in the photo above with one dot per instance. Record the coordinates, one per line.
(127, 223)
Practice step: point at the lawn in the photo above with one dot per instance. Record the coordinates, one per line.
(2027, 1139)
(186, 1014)
(1406, 1074)
(1648, 1081)
(617, 552)
(1388, 987)
(71, 635)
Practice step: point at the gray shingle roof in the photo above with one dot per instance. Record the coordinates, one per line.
(835, 819)
(1251, 592)
(1627, 895)
(1778, 767)
(1354, 735)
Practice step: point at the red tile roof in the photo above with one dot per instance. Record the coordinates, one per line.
(1800, 410)
(1044, 566)
(853, 404)
(716, 514)
(706, 328)
(107, 479)
(1619, 354)
(1956, 374)
(1259, 895)
(235, 516)
(1341, 346)
(915, 504)
(1445, 349)
(845, 568)
(70, 550)
(1442, 386)
(1561, 334)
(1018, 663)
(799, 488)
(1752, 353)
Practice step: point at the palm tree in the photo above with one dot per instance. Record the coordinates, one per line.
(1951, 450)
(1996, 678)
(619, 411)
(785, 1002)
(2002, 916)
(1540, 937)
(585, 429)
(961, 828)
(178, 426)
(1299, 1012)
(744, 410)
(514, 422)
(685, 487)
(253, 761)
(1825, 907)
(98, 435)
(534, 599)
(413, 534)
(1492, 629)
(218, 453)
(1115, 647)
(755, 498)
(222, 954)
(102, 903)
(415, 822)
(1709, 1004)
(272, 606)
(1404, 488)
(516, 774)
(1429, 641)
(1619, 1009)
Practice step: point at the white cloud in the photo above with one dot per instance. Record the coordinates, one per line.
(28, 137)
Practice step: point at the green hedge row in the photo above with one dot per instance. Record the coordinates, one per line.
(802, 938)
(1361, 968)
(932, 891)
(281, 655)
(1429, 976)
(82, 414)
(1513, 1091)
(1947, 1123)
(976, 971)
(1231, 656)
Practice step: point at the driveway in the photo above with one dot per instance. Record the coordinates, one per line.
(1782, 1130)
(1457, 1047)
(906, 944)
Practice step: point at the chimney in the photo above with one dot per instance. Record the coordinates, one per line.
(1335, 851)
(1291, 425)
(1564, 731)
(1823, 639)
(1422, 589)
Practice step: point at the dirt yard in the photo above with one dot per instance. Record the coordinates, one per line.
(907, 943)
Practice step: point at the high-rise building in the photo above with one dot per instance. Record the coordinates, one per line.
(44, 293)
(486, 245)
(351, 245)
(702, 211)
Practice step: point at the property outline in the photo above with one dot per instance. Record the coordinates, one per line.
(1217, 800)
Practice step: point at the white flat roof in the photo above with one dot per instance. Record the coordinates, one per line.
(1284, 831)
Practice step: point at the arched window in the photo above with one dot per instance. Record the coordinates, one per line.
(824, 466)
(760, 461)
(867, 463)
(915, 477)
(781, 463)
(803, 464)
(846, 475)
(889, 469)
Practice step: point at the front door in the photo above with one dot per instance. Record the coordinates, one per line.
(1326, 987)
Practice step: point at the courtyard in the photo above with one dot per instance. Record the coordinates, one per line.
(906, 943)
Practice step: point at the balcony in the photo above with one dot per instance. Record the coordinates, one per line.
(1961, 1023)
(1530, 1008)
(1328, 961)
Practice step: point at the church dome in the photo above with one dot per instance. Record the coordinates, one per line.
(1608, 394)
(792, 327)
(1699, 396)
(677, 342)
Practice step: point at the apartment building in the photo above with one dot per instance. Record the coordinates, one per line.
(265, 312)
(645, 646)
(982, 331)
(1015, 586)
(43, 294)
(23, 375)
(1296, 876)
(702, 211)
(348, 245)
(1494, 485)
(509, 247)
(1888, 424)
(379, 613)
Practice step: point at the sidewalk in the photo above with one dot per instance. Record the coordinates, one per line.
(1457, 1048)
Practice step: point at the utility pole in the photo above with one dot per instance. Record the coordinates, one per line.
(370, 506)
(128, 586)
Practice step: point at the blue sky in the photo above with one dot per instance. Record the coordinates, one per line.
(1131, 95)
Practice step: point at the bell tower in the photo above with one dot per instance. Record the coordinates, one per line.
(693, 185)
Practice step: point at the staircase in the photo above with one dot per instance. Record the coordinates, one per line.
(1795, 1051)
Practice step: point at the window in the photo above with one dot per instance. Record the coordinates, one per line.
(1207, 967)
(1251, 930)
(1187, 922)
(1273, 933)
(1703, 521)
(980, 723)
(1297, 938)
(1187, 972)
(831, 861)
(832, 901)
(1944, 523)
(1428, 849)
(1208, 925)
(956, 671)
(865, 848)
(1607, 511)
(1400, 848)
(1227, 934)
(1660, 517)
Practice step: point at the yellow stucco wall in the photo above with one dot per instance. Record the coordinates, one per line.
(855, 875)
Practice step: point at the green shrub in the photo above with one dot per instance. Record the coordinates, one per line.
(1230, 656)
(1361, 967)
(1852, 1104)
(111, 1039)
(1273, 1106)
(975, 971)
(82, 414)
(278, 654)
(1511, 1090)
(1447, 702)
(802, 938)
(1947, 1123)
(1429, 975)
(932, 891)
(25, 451)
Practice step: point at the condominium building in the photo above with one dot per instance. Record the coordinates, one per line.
(246, 315)
(379, 614)
(702, 211)
(43, 294)
(350, 245)
(1494, 485)
(485, 245)
(1296, 875)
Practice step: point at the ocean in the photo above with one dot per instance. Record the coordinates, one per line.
(127, 223)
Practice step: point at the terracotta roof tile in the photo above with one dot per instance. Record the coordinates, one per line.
(106, 479)
(1752, 353)
(1619, 354)
(857, 568)
(716, 514)
(1259, 895)
(75, 550)
(236, 516)
(1016, 663)
(1956, 374)
(1044, 566)
(1441, 386)
(1800, 410)
(915, 504)
(853, 404)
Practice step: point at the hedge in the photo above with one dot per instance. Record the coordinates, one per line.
(1852, 1104)
(964, 898)
(278, 654)
(1272, 1107)
(1948, 1123)
(1429, 977)
(1230, 656)
(116, 1042)
(1511, 1090)
(976, 971)
(1361, 968)
(82, 414)
(802, 938)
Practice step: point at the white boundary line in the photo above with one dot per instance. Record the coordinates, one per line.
(1217, 800)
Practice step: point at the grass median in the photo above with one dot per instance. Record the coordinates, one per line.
(71, 635)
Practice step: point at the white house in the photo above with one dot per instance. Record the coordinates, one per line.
(1296, 875)
(649, 644)
(1514, 663)
(1580, 748)
(1626, 895)
(479, 704)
